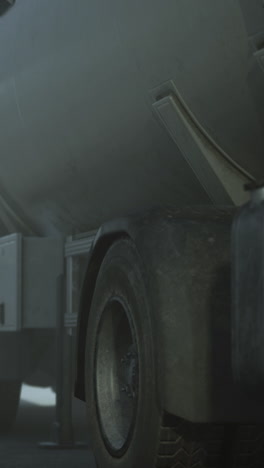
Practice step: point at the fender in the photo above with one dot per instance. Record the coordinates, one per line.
(186, 255)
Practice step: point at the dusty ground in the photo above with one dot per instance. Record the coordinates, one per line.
(20, 449)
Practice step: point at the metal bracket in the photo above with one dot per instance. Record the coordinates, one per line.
(222, 179)
(75, 253)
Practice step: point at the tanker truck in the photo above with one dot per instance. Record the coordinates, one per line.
(131, 128)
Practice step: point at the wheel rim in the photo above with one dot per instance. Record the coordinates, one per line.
(117, 376)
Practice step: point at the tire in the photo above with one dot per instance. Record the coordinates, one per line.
(126, 424)
(247, 447)
(9, 401)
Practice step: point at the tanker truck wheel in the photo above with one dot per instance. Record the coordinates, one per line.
(126, 424)
(9, 401)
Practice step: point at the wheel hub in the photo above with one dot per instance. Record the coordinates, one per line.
(130, 366)
(117, 376)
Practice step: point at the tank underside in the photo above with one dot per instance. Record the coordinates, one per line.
(79, 141)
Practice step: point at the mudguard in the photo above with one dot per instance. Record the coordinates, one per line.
(186, 256)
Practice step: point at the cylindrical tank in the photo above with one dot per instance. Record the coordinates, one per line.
(79, 143)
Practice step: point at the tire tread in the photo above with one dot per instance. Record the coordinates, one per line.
(186, 445)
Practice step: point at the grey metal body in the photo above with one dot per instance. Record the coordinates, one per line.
(78, 138)
(247, 294)
(29, 269)
(80, 142)
(28, 282)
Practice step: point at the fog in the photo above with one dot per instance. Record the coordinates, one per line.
(38, 396)
(34, 425)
